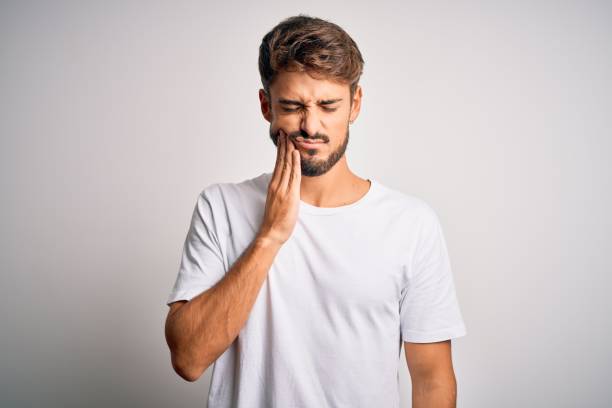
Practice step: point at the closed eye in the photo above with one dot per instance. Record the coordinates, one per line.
(296, 109)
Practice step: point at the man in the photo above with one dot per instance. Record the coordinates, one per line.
(302, 284)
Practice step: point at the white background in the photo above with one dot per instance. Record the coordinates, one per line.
(115, 115)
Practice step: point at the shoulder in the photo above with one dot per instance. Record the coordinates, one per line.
(233, 204)
(409, 206)
(224, 192)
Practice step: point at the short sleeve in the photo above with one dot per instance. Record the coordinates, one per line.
(202, 262)
(429, 309)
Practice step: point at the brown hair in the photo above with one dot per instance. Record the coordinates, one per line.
(313, 45)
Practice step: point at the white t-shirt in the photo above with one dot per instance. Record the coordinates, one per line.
(350, 284)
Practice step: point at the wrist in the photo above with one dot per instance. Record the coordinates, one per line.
(265, 241)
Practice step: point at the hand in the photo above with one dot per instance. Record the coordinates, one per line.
(283, 200)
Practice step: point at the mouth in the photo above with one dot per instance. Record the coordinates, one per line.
(309, 143)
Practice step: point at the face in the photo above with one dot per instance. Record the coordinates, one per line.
(310, 109)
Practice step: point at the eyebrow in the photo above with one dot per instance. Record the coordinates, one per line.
(284, 101)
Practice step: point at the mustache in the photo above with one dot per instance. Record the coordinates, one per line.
(305, 136)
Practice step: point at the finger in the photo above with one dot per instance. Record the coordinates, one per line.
(279, 157)
(296, 173)
(291, 148)
(278, 146)
(287, 163)
(290, 144)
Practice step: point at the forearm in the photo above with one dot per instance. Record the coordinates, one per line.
(203, 328)
(440, 392)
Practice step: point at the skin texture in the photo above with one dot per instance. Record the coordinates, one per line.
(432, 374)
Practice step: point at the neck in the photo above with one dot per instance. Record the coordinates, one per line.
(339, 186)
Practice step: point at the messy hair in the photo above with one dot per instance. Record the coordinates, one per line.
(312, 45)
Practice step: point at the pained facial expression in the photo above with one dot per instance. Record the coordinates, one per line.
(311, 109)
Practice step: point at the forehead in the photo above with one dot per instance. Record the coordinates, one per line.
(302, 87)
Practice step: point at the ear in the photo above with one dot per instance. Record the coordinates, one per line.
(356, 104)
(266, 109)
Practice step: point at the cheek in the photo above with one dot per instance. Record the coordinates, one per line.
(337, 124)
(286, 120)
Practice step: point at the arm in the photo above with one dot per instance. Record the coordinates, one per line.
(432, 374)
(200, 330)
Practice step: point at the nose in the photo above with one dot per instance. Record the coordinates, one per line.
(311, 123)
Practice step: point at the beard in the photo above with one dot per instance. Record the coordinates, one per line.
(312, 166)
